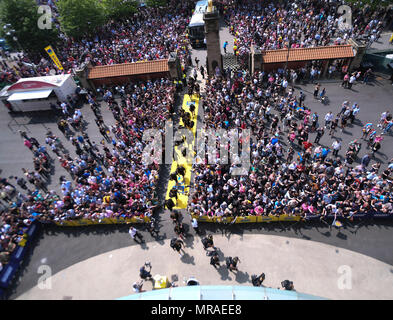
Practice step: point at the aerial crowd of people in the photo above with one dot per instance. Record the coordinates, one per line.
(290, 173)
(108, 179)
(300, 23)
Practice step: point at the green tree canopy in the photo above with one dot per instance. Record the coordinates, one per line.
(119, 9)
(81, 17)
(156, 3)
(23, 17)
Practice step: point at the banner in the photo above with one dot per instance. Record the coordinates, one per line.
(53, 56)
(89, 222)
(249, 219)
(285, 217)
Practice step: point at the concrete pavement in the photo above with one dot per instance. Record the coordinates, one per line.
(315, 268)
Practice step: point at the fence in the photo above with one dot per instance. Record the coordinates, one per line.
(17, 256)
(284, 217)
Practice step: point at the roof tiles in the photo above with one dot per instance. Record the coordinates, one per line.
(128, 69)
(307, 54)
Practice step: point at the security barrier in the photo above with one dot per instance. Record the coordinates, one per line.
(284, 217)
(105, 221)
(7, 274)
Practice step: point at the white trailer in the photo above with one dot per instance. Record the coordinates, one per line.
(33, 94)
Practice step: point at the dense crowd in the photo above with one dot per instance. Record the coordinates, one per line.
(302, 23)
(289, 173)
(106, 180)
(150, 34)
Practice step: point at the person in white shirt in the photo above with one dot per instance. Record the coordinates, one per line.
(328, 118)
(194, 224)
(135, 234)
(351, 81)
(336, 147)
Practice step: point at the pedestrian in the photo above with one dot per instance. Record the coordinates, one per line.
(225, 46)
(302, 97)
(194, 224)
(202, 70)
(143, 273)
(287, 285)
(177, 245)
(208, 242)
(152, 228)
(257, 280)
(197, 62)
(336, 147)
(28, 144)
(320, 133)
(351, 81)
(179, 230)
(365, 160)
(345, 81)
(328, 119)
(134, 233)
(316, 90)
(231, 263)
(23, 134)
(214, 260)
(343, 122)
(333, 126)
(137, 286)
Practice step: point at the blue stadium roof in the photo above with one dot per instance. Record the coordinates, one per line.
(220, 293)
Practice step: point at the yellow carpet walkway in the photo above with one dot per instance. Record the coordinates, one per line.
(180, 160)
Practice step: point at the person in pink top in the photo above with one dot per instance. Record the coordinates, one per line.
(28, 144)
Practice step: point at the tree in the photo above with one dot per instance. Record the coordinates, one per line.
(81, 17)
(23, 17)
(157, 3)
(119, 9)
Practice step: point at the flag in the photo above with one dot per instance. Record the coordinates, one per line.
(52, 55)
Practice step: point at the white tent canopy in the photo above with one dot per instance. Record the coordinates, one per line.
(28, 95)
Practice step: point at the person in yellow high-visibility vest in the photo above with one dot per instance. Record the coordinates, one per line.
(234, 49)
(391, 39)
(106, 199)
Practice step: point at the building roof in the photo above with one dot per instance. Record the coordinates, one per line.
(308, 54)
(128, 69)
(35, 83)
(220, 293)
